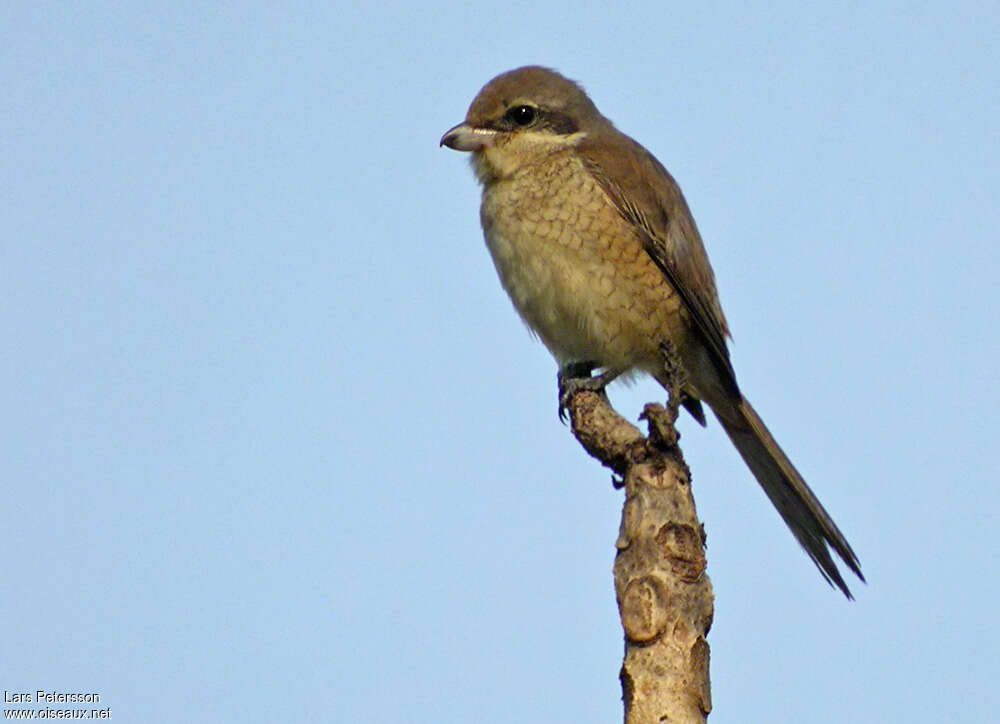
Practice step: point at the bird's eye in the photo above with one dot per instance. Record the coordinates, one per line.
(521, 115)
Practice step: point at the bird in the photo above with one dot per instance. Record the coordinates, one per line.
(594, 243)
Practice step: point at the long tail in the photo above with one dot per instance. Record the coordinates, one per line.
(797, 504)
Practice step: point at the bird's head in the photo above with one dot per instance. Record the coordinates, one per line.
(520, 115)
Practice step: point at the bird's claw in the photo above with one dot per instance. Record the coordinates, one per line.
(569, 386)
(576, 377)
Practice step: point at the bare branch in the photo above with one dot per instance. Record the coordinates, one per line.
(664, 596)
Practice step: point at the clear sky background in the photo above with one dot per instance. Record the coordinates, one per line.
(275, 447)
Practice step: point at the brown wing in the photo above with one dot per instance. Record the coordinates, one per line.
(646, 195)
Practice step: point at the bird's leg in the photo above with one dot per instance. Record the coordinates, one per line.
(575, 376)
(674, 380)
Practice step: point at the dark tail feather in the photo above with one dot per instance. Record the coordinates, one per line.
(797, 504)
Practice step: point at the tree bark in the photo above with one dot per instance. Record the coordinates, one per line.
(664, 596)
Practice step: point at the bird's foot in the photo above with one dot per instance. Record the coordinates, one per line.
(575, 377)
(674, 379)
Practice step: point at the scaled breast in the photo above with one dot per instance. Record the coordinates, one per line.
(575, 270)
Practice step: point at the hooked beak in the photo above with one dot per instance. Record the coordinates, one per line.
(464, 137)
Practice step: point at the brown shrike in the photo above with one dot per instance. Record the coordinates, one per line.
(597, 248)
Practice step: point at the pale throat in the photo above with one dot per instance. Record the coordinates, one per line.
(505, 157)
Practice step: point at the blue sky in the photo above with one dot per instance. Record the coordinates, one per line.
(275, 446)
